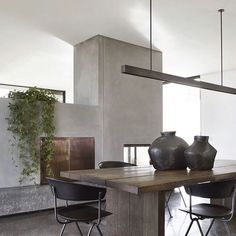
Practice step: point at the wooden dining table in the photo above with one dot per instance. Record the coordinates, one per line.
(136, 195)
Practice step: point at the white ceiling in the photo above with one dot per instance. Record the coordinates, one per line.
(187, 31)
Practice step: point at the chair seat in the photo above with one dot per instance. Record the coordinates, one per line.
(205, 210)
(81, 213)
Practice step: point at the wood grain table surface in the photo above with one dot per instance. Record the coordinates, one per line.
(141, 179)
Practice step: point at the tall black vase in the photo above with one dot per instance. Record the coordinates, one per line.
(200, 155)
(167, 152)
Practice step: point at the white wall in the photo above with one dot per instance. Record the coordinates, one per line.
(191, 111)
(218, 115)
(31, 57)
(181, 110)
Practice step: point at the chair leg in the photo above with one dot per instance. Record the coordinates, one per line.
(212, 222)
(190, 225)
(168, 209)
(90, 230)
(77, 225)
(199, 226)
(227, 228)
(166, 204)
(168, 199)
(99, 230)
(182, 197)
(62, 229)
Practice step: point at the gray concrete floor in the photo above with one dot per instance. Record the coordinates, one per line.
(44, 224)
(177, 226)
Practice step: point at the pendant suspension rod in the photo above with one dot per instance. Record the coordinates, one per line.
(150, 34)
(221, 46)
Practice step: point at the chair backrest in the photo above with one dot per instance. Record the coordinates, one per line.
(223, 189)
(74, 191)
(114, 164)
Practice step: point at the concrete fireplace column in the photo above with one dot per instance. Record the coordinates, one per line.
(130, 108)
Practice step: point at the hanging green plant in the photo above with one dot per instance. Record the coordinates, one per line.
(32, 116)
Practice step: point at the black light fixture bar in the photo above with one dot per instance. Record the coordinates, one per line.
(167, 78)
(155, 75)
(191, 77)
(194, 77)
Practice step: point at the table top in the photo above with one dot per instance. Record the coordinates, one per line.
(139, 179)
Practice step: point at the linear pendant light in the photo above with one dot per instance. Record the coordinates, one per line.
(155, 75)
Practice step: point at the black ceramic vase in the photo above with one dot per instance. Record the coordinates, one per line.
(167, 152)
(200, 155)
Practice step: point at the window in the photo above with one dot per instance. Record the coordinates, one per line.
(6, 88)
(137, 154)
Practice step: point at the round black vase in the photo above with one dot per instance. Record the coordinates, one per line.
(167, 152)
(200, 155)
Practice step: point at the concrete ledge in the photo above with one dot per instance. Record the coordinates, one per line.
(25, 199)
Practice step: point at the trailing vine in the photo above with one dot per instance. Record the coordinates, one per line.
(32, 116)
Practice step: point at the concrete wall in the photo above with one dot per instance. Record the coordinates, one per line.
(25, 199)
(130, 108)
(218, 115)
(132, 105)
(86, 69)
(71, 120)
(10, 167)
(79, 121)
(114, 108)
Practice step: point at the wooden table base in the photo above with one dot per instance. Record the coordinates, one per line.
(135, 215)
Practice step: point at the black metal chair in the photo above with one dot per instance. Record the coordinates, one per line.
(169, 197)
(83, 212)
(216, 190)
(114, 164)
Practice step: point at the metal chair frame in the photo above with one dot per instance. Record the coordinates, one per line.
(64, 223)
(197, 218)
(168, 199)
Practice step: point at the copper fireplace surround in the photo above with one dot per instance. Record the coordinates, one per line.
(71, 153)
